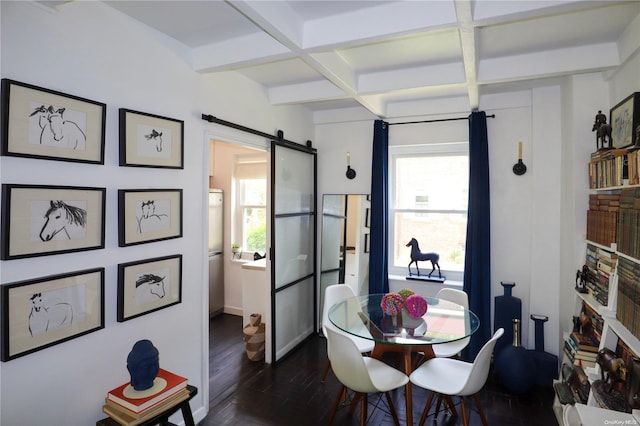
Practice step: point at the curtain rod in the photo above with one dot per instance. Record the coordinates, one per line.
(279, 137)
(440, 119)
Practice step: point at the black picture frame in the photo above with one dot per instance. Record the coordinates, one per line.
(146, 286)
(148, 215)
(31, 227)
(367, 218)
(74, 304)
(47, 124)
(625, 122)
(367, 243)
(149, 140)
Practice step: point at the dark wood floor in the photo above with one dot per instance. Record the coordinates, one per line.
(250, 393)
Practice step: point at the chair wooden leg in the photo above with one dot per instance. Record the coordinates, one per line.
(392, 409)
(335, 404)
(363, 410)
(326, 370)
(427, 406)
(480, 410)
(438, 403)
(452, 407)
(465, 419)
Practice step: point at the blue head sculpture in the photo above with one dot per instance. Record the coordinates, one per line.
(143, 364)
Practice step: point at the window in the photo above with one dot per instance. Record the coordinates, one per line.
(251, 200)
(429, 192)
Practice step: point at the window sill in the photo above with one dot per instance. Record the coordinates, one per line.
(425, 288)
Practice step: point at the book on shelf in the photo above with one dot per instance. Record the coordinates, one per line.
(584, 343)
(584, 363)
(609, 168)
(575, 353)
(138, 401)
(628, 302)
(130, 418)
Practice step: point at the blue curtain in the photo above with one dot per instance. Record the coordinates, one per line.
(477, 264)
(378, 267)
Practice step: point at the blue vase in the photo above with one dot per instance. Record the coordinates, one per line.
(514, 365)
(507, 308)
(143, 364)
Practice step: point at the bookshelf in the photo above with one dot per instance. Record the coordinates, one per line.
(613, 231)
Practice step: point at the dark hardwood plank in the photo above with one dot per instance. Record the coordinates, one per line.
(249, 393)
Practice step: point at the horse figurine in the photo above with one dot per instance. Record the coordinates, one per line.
(417, 255)
(603, 131)
(613, 369)
(60, 219)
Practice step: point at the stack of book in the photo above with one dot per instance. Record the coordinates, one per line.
(581, 350)
(601, 264)
(628, 238)
(628, 303)
(130, 407)
(608, 167)
(602, 218)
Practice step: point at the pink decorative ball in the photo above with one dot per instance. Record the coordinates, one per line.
(391, 304)
(406, 292)
(416, 305)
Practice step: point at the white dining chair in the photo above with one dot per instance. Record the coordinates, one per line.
(451, 349)
(453, 377)
(362, 374)
(333, 294)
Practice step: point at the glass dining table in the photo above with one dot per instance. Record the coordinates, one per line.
(443, 322)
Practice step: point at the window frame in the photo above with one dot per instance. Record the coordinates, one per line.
(418, 150)
(238, 225)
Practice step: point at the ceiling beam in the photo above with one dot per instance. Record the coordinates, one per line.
(469, 52)
(265, 16)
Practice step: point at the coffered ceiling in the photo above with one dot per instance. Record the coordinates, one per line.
(390, 57)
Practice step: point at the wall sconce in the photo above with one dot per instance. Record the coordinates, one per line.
(350, 172)
(519, 168)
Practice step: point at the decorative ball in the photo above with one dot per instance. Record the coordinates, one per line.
(391, 304)
(416, 305)
(405, 292)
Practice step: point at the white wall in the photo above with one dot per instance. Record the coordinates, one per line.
(89, 50)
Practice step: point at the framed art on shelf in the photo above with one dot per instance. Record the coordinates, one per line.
(148, 140)
(625, 122)
(148, 285)
(46, 124)
(43, 220)
(147, 215)
(43, 312)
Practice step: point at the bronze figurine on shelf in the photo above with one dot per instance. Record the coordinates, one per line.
(613, 369)
(417, 255)
(581, 279)
(608, 390)
(603, 131)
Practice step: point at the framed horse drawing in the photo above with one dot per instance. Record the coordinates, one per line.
(149, 140)
(46, 124)
(43, 312)
(43, 220)
(146, 215)
(148, 285)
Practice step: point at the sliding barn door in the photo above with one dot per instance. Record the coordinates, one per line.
(293, 246)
